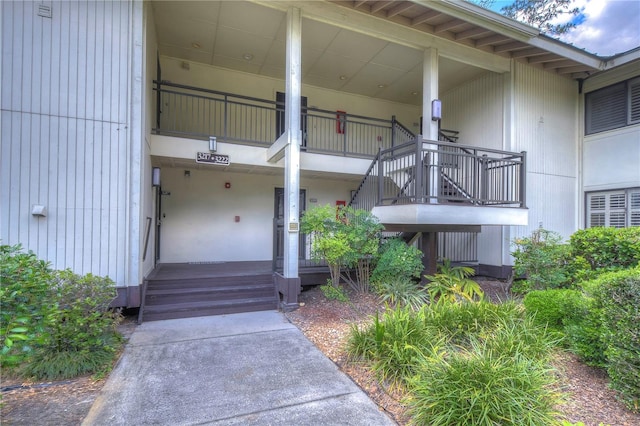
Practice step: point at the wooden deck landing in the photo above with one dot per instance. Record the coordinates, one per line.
(173, 271)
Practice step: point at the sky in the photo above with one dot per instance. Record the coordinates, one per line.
(603, 27)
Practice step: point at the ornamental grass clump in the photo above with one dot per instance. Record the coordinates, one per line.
(464, 363)
(481, 386)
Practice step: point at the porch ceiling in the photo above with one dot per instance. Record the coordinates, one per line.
(250, 37)
(190, 164)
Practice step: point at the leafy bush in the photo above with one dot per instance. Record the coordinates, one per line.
(332, 292)
(452, 284)
(397, 262)
(345, 239)
(619, 296)
(607, 248)
(541, 258)
(25, 300)
(81, 336)
(553, 307)
(400, 293)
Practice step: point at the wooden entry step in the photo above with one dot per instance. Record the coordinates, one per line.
(184, 292)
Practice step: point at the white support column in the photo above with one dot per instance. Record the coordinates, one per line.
(292, 151)
(430, 127)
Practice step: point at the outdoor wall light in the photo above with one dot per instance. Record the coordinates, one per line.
(155, 176)
(436, 109)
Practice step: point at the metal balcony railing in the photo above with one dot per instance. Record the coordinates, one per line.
(193, 112)
(424, 171)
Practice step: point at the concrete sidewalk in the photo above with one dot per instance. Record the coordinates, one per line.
(254, 368)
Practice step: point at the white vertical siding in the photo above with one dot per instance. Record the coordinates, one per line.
(148, 111)
(544, 123)
(475, 109)
(65, 142)
(546, 126)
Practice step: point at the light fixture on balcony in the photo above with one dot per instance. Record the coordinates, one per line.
(343, 77)
(196, 45)
(155, 176)
(247, 56)
(414, 93)
(382, 86)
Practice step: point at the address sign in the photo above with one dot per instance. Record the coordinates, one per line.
(212, 158)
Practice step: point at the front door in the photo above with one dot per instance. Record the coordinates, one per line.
(278, 238)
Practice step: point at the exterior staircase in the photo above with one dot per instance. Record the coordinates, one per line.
(201, 291)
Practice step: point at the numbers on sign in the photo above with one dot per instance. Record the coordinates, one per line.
(207, 157)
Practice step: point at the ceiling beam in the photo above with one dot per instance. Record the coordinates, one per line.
(528, 52)
(560, 64)
(576, 69)
(357, 4)
(448, 25)
(471, 33)
(490, 40)
(380, 5)
(424, 17)
(545, 58)
(396, 10)
(509, 47)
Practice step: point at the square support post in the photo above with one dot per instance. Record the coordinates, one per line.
(293, 89)
(430, 127)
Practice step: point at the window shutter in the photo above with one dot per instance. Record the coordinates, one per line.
(634, 208)
(606, 109)
(596, 219)
(634, 101)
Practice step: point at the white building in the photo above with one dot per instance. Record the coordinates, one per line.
(95, 95)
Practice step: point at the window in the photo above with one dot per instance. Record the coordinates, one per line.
(617, 209)
(613, 107)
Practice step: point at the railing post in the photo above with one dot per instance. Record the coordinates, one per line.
(523, 180)
(484, 185)
(380, 178)
(393, 131)
(344, 136)
(158, 103)
(419, 187)
(226, 116)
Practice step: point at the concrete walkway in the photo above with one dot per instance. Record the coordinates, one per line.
(253, 368)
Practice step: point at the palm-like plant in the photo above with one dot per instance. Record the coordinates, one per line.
(452, 284)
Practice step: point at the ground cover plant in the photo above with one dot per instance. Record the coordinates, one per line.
(55, 324)
(464, 363)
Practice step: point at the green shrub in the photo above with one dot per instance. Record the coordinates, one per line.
(584, 331)
(397, 262)
(26, 303)
(347, 240)
(82, 336)
(619, 296)
(481, 386)
(400, 293)
(607, 248)
(334, 293)
(541, 259)
(553, 307)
